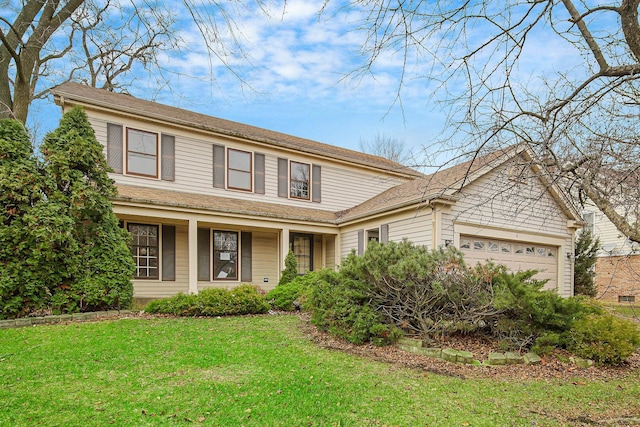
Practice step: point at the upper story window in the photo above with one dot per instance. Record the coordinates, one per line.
(300, 175)
(297, 180)
(589, 219)
(239, 169)
(142, 153)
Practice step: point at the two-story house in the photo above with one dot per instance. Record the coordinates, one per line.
(210, 202)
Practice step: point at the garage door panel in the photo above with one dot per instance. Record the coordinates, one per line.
(516, 256)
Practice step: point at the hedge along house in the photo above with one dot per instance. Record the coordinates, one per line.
(210, 202)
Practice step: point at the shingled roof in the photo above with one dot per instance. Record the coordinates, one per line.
(87, 95)
(217, 204)
(441, 184)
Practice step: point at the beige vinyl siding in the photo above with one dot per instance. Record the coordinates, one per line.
(348, 242)
(330, 251)
(416, 228)
(162, 289)
(317, 252)
(265, 259)
(608, 233)
(361, 186)
(193, 169)
(494, 201)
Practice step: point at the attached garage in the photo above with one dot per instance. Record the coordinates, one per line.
(516, 255)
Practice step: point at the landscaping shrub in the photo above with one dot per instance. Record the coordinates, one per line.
(425, 292)
(290, 271)
(244, 299)
(530, 313)
(604, 338)
(342, 306)
(282, 297)
(586, 249)
(177, 305)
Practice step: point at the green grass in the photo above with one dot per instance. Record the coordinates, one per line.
(260, 371)
(626, 310)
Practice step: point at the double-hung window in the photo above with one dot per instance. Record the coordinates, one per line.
(239, 170)
(145, 249)
(142, 153)
(300, 174)
(225, 255)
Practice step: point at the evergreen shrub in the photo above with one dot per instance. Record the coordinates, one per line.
(283, 296)
(604, 338)
(245, 299)
(342, 306)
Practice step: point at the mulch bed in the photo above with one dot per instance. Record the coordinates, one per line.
(551, 368)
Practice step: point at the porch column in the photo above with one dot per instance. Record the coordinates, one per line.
(193, 256)
(337, 254)
(284, 248)
(436, 227)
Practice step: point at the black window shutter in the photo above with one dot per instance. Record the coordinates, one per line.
(316, 181)
(167, 167)
(169, 252)
(245, 257)
(283, 178)
(218, 166)
(258, 173)
(360, 242)
(114, 147)
(384, 233)
(204, 257)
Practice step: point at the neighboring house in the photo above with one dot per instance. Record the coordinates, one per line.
(617, 270)
(211, 202)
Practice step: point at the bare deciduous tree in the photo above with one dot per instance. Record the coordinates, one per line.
(580, 115)
(387, 147)
(47, 42)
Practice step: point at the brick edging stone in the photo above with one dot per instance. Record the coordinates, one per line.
(22, 322)
(416, 346)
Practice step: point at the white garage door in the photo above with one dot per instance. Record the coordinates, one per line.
(515, 255)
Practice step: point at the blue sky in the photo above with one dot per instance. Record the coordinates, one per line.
(296, 79)
(294, 82)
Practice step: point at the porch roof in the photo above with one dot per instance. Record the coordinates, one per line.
(158, 197)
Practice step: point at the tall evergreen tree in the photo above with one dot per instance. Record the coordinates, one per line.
(35, 233)
(585, 261)
(101, 272)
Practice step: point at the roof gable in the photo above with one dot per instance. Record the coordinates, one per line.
(446, 184)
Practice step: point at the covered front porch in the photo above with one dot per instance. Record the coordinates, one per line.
(189, 249)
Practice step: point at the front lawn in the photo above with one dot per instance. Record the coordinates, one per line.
(262, 371)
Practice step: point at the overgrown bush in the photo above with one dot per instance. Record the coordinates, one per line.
(245, 299)
(283, 296)
(530, 313)
(342, 306)
(604, 338)
(425, 292)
